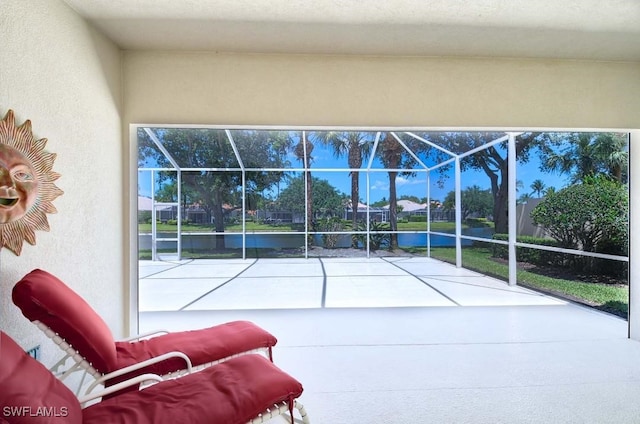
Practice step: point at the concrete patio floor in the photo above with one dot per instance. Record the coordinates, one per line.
(442, 345)
(321, 283)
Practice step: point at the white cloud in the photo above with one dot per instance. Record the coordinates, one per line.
(401, 181)
(380, 185)
(410, 181)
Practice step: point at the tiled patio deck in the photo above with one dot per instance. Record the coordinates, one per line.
(377, 353)
(191, 285)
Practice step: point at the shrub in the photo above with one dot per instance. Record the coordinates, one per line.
(587, 215)
(592, 216)
(330, 241)
(377, 238)
(144, 217)
(417, 218)
(530, 255)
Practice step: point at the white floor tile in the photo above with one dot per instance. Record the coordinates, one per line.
(298, 283)
(298, 269)
(367, 291)
(487, 292)
(172, 294)
(264, 293)
(147, 268)
(365, 267)
(197, 270)
(430, 268)
(222, 262)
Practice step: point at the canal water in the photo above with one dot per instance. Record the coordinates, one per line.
(207, 241)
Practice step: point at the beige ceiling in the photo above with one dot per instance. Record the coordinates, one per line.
(576, 29)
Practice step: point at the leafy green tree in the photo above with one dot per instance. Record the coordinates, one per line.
(449, 202)
(474, 201)
(477, 201)
(592, 216)
(357, 146)
(380, 203)
(414, 199)
(211, 149)
(168, 192)
(492, 161)
(327, 201)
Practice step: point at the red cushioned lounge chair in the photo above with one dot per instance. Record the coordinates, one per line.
(86, 339)
(246, 389)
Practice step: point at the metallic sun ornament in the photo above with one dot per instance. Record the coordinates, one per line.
(26, 184)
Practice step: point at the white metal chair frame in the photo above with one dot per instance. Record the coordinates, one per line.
(282, 410)
(81, 363)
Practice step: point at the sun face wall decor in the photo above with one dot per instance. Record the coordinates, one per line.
(26, 184)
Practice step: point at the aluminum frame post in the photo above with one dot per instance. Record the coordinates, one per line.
(458, 177)
(634, 237)
(429, 214)
(512, 221)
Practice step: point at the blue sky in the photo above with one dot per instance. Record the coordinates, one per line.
(415, 186)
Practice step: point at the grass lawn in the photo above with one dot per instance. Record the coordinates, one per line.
(613, 298)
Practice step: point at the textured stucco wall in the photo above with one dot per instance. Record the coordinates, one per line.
(58, 72)
(210, 88)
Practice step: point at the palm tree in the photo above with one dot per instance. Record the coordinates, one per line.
(391, 155)
(589, 154)
(523, 199)
(537, 187)
(303, 151)
(356, 145)
(611, 148)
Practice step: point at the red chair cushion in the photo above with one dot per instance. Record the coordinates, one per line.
(43, 297)
(201, 346)
(30, 393)
(232, 392)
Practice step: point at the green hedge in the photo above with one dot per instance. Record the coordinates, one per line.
(545, 257)
(525, 254)
(417, 218)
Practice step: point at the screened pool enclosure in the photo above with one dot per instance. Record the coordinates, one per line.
(214, 192)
